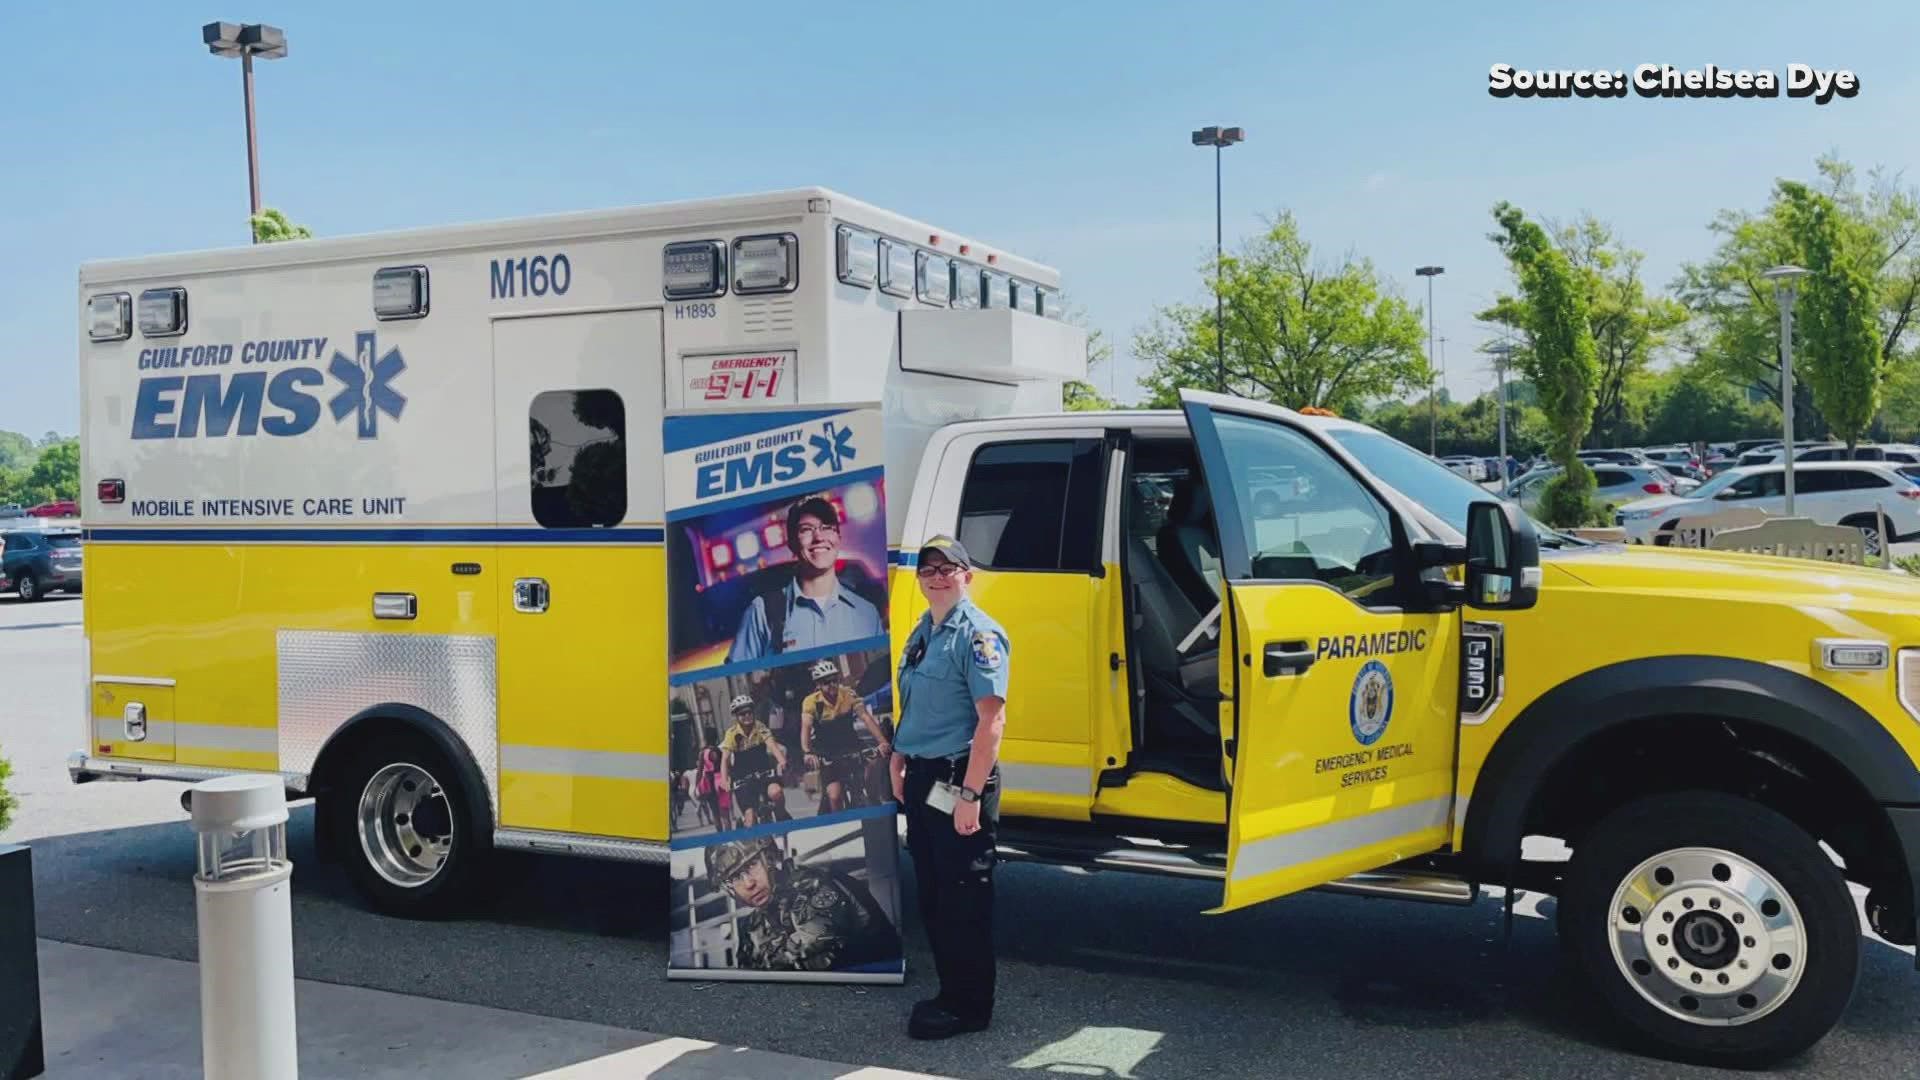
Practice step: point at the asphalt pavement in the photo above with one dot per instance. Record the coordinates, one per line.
(1102, 974)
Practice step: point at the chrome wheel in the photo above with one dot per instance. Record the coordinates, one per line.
(1707, 936)
(405, 824)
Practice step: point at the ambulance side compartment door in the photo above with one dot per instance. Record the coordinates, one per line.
(1341, 675)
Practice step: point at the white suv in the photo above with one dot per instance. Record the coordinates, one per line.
(1829, 492)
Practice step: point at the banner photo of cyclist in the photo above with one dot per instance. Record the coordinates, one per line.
(780, 709)
(780, 744)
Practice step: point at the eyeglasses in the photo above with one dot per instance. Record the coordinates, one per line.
(808, 532)
(934, 570)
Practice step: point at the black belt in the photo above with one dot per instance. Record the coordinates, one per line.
(950, 769)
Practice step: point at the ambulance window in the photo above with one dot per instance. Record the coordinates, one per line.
(1324, 526)
(577, 451)
(1034, 505)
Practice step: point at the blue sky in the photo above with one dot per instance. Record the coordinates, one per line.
(1059, 131)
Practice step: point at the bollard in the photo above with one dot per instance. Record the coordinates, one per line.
(243, 902)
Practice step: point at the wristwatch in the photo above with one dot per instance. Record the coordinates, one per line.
(967, 794)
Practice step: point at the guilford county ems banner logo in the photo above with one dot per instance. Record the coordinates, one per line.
(1372, 703)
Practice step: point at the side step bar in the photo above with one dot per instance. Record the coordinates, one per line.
(1176, 859)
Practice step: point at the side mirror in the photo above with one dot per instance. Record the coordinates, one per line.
(1503, 558)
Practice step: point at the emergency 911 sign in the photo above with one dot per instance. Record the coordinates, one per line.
(737, 379)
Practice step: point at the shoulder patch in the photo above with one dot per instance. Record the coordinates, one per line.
(986, 649)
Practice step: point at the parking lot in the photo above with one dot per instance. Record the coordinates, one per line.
(1103, 975)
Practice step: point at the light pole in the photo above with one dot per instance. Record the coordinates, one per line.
(1501, 353)
(246, 41)
(1433, 408)
(1219, 138)
(1785, 280)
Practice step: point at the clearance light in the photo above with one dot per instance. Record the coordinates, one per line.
(747, 544)
(111, 492)
(163, 312)
(934, 284)
(859, 257)
(110, 317)
(720, 555)
(400, 292)
(694, 268)
(775, 535)
(1831, 654)
(766, 264)
(896, 269)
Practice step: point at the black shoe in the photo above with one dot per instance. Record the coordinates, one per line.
(935, 1022)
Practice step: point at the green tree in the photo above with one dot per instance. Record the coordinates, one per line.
(1081, 395)
(1559, 359)
(16, 451)
(7, 801)
(1835, 316)
(55, 473)
(1298, 333)
(1736, 325)
(270, 226)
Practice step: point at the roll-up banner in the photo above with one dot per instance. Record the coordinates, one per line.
(784, 852)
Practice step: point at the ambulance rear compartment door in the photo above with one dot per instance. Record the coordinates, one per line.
(578, 402)
(1341, 679)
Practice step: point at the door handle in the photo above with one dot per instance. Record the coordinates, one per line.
(531, 595)
(1286, 658)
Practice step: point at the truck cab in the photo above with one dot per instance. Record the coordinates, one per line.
(1288, 652)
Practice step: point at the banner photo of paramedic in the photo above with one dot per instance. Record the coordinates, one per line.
(791, 743)
(807, 903)
(776, 537)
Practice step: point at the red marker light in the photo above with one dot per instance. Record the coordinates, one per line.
(112, 491)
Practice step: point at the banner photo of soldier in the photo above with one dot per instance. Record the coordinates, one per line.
(780, 744)
(784, 849)
(806, 903)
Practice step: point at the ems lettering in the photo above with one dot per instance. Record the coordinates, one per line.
(187, 407)
(750, 472)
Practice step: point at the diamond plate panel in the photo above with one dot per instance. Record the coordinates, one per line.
(328, 677)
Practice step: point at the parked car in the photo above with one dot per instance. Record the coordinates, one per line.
(1829, 492)
(41, 561)
(1678, 460)
(12, 510)
(1472, 468)
(1899, 453)
(60, 508)
(1614, 484)
(1612, 457)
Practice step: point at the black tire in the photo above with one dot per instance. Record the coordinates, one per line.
(31, 588)
(1869, 526)
(460, 803)
(1649, 831)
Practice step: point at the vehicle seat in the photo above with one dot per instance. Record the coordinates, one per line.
(1176, 685)
(1189, 548)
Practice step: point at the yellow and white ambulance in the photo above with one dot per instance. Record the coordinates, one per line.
(383, 515)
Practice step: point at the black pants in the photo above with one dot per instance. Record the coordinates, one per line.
(954, 874)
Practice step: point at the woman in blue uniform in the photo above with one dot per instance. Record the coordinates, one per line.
(953, 710)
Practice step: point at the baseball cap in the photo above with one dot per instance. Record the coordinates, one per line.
(948, 549)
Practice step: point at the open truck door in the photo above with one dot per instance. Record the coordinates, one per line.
(1340, 660)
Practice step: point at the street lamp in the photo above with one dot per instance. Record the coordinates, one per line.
(246, 41)
(1219, 138)
(1785, 280)
(1501, 352)
(1433, 408)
